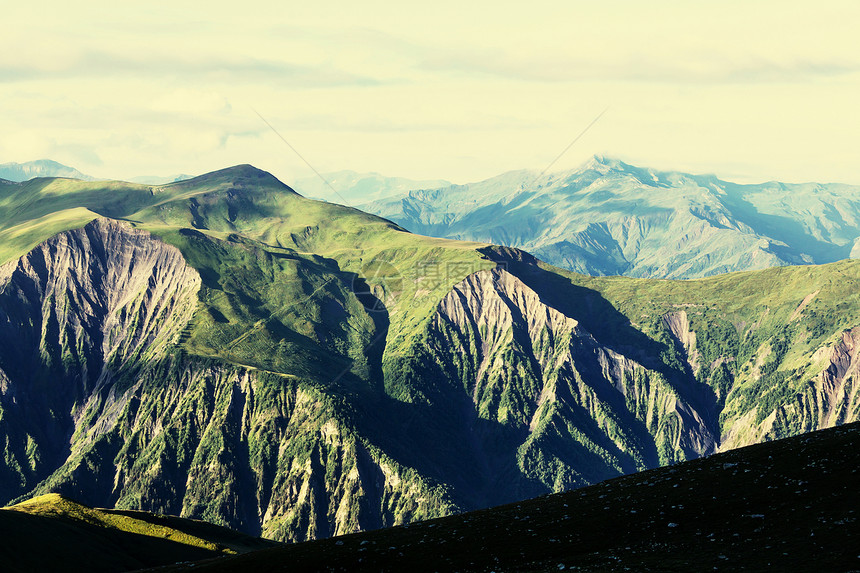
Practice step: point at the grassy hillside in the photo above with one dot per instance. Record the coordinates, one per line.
(761, 336)
(243, 202)
(53, 533)
(789, 505)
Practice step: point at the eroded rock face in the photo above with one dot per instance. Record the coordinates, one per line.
(839, 380)
(74, 310)
(585, 411)
(829, 395)
(251, 450)
(102, 294)
(93, 404)
(678, 324)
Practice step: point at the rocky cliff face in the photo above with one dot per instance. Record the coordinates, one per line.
(259, 452)
(839, 400)
(528, 366)
(102, 294)
(74, 311)
(819, 394)
(97, 404)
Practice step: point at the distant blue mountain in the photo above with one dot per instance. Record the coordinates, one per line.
(41, 168)
(353, 188)
(611, 218)
(156, 180)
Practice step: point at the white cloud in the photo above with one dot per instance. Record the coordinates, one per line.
(450, 89)
(191, 101)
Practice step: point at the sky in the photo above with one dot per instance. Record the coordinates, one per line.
(750, 91)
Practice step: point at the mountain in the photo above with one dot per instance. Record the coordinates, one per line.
(789, 505)
(18, 172)
(225, 349)
(52, 533)
(157, 180)
(611, 218)
(352, 188)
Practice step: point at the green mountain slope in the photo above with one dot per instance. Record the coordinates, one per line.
(224, 349)
(611, 218)
(52, 533)
(789, 505)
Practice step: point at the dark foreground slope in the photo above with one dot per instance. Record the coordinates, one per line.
(789, 505)
(53, 533)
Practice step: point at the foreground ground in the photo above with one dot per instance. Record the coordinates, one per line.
(778, 506)
(53, 533)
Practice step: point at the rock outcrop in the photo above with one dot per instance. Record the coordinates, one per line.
(528, 366)
(73, 312)
(679, 325)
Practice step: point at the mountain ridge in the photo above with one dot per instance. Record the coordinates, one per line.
(20, 172)
(354, 187)
(608, 217)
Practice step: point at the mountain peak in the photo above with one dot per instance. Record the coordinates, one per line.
(604, 164)
(242, 174)
(243, 169)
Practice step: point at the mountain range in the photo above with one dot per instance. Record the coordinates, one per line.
(611, 218)
(225, 349)
(352, 188)
(18, 172)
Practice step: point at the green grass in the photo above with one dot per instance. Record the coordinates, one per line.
(409, 273)
(55, 506)
(18, 239)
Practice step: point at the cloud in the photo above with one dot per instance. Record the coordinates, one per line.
(192, 101)
(105, 65)
(31, 146)
(399, 123)
(686, 68)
